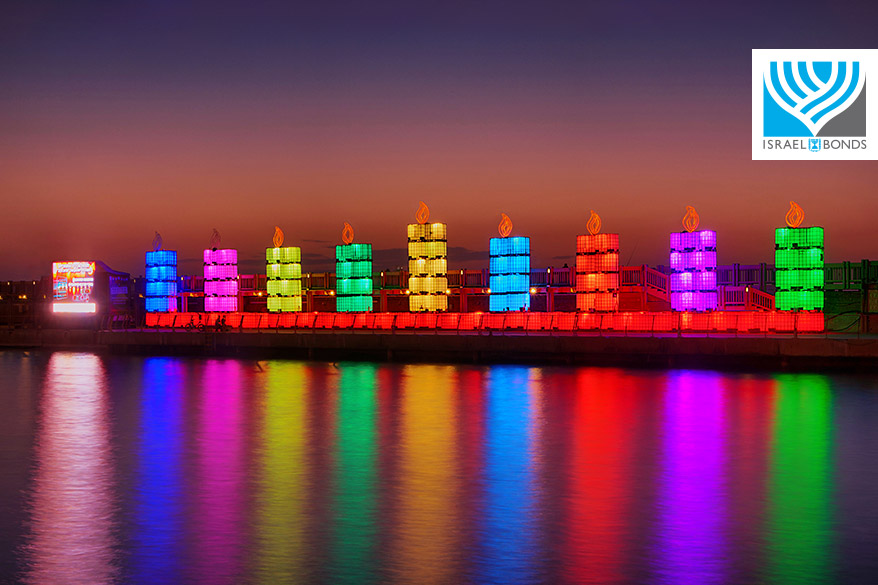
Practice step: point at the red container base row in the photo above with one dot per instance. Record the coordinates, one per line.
(782, 322)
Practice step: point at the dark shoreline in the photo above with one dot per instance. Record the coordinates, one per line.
(771, 352)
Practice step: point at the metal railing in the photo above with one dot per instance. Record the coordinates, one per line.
(655, 282)
(744, 298)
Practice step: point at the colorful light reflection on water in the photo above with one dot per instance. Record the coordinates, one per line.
(167, 470)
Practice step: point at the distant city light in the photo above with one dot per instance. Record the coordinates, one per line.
(74, 307)
(72, 284)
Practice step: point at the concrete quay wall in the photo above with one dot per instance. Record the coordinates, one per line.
(774, 352)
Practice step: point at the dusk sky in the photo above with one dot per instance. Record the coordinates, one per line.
(120, 119)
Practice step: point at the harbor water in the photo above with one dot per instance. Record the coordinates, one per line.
(150, 470)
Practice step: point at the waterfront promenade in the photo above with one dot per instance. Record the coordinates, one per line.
(794, 350)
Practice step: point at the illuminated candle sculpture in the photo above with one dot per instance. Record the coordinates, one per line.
(283, 270)
(597, 268)
(510, 270)
(693, 266)
(161, 278)
(428, 263)
(220, 277)
(353, 274)
(798, 262)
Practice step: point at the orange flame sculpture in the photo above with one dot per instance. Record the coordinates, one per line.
(215, 239)
(691, 219)
(157, 242)
(423, 213)
(278, 239)
(347, 234)
(594, 224)
(505, 226)
(796, 215)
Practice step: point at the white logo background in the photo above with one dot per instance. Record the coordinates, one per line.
(868, 59)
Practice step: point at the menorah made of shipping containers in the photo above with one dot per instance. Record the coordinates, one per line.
(597, 272)
(509, 274)
(799, 269)
(353, 274)
(428, 266)
(161, 281)
(693, 271)
(220, 280)
(283, 270)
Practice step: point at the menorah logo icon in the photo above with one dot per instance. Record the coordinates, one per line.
(814, 93)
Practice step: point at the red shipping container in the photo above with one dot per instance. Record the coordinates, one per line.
(640, 322)
(492, 321)
(664, 322)
(515, 321)
(307, 320)
(584, 244)
(363, 321)
(251, 320)
(286, 320)
(405, 320)
(535, 321)
(343, 321)
(606, 302)
(324, 320)
(564, 321)
(425, 320)
(784, 322)
(810, 322)
(448, 320)
(609, 262)
(588, 322)
(470, 321)
(585, 301)
(384, 320)
(233, 320)
(723, 321)
(746, 322)
(694, 321)
(761, 319)
(612, 322)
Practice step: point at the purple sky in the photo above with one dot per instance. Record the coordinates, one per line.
(119, 119)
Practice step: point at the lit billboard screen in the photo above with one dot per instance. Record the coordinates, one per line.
(72, 284)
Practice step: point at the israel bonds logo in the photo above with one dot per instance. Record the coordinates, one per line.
(813, 104)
